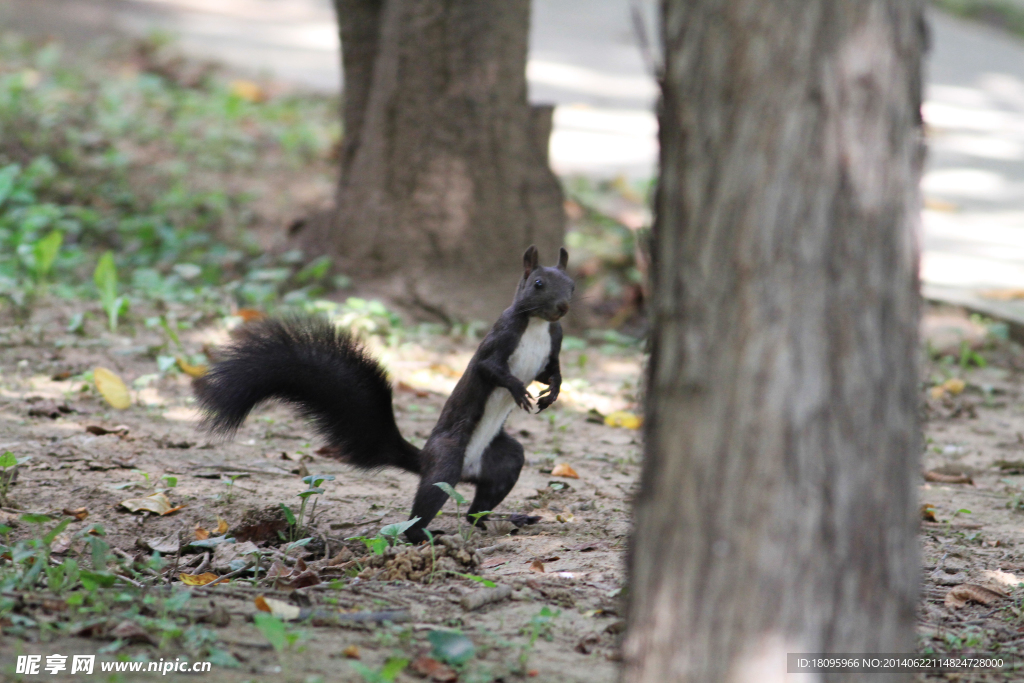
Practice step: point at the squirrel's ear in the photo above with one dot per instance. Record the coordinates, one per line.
(530, 260)
(563, 258)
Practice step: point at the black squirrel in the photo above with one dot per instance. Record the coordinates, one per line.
(328, 377)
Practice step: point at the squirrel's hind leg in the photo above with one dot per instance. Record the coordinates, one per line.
(429, 497)
(500, 465)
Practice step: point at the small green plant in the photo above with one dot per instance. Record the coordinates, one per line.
(486, 583)
(8, 463)
(386, 674)
(386, 537)
(229, 481)
(313, 482)
(433, 555)
(275, 631)
(477, 516)
(105, 277)
(539, 627)
(29, 558)
(459, 502)
(44, 253)
(451, 647)
(969, 357)
(62, 577)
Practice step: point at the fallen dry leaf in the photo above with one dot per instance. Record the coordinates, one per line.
(198, 579)
(111, 388)
(250, 314)
(78, 513)
(1001, 578)
(248, 91)
(623, 418)
(120, 430)
(1002, 294)
(446, 370)
(928, 513)
(201, 533)
(933, 204)
(954, 386)
(61, 543)
(279, 608)
(940, 478)
(156, 502)
(222, 526)
(565, 517)
(537, 566)
(165, 545)
(191, 370)
(132, 632)
(563, 470)
(970, 592)
(409, 389)
(351, 652)
(427, 666)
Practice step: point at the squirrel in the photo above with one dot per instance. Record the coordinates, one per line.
(328, 377)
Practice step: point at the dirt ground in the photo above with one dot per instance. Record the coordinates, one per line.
(558, 624)
(570, 563)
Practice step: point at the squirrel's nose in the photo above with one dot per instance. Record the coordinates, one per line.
(563, 308)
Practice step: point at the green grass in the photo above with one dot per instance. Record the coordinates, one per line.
(125, 151)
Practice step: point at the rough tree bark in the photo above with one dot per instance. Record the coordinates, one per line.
(776, 512)
(444, 168)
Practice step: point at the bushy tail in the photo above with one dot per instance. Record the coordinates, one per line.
(320, 370)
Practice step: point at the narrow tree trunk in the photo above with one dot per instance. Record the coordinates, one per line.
(444, 171)
(776, 512)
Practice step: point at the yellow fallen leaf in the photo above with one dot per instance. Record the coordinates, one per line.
(537, 566)
(351, 652)
(1003, 294)
(928, 512)
(191, 370)
(933, 204)
(563, 470)
(937, 392)
(78, 513)
(279, 608)
(623, 418)
(201, 533)
(156, 502)
(249, 315)
(222, 526)
(954, 386)
(111, 388)
(565, 517)
(197, 579)
(248, 90)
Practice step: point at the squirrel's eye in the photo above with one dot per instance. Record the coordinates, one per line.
(538, 284)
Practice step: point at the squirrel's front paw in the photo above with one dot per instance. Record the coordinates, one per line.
(522, 397)
(550, 393)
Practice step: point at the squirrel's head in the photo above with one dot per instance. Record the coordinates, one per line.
(544, 292)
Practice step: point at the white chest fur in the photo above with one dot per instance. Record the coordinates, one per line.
(525, 363)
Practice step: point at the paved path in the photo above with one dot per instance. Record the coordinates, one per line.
(584, 58)
(974, 187)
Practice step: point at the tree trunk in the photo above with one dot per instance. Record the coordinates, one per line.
(777, 509)
(444, 169)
